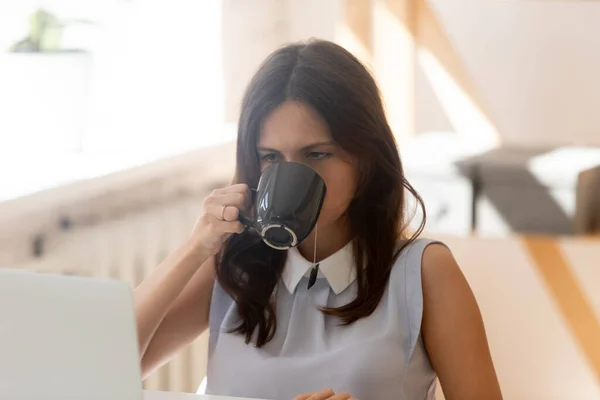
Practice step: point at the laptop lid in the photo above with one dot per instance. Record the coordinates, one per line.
(66, 337)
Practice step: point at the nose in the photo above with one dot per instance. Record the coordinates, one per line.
(294, 158)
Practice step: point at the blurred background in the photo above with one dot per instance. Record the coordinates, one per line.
(117, 117)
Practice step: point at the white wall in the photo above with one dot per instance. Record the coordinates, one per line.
(252, 30)
(536, 63)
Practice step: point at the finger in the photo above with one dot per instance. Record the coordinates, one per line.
(341, 396)
(223, 212)
(304, 396)
(228, 199)
(229, 227)
(322, 395)
(237, 188)
(220, 227)
(225, 207)
(239, 200)
(243, 200)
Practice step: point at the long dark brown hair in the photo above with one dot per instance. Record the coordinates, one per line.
(335, 84)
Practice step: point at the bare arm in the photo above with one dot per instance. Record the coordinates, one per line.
(453, 330)
(155, 296)
(172, 305)
(185, 321)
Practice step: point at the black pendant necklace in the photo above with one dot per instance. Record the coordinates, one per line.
(313, 276)
(315, 269)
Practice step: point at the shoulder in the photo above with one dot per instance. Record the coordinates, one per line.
(438, 260)
(411, 254)
(441, 275)
(426, 255)
(429, 265)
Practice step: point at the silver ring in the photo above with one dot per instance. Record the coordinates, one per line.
(223, 213)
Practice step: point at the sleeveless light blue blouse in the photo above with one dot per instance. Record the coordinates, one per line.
(380, 357)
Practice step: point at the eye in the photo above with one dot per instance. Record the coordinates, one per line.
(318, 155)
(271, 157)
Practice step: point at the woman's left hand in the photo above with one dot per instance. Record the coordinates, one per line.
(327, 394)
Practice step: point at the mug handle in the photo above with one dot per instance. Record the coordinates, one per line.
(246, 221)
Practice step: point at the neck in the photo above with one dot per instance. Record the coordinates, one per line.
(330, 239)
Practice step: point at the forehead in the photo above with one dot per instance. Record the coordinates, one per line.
(293, 125)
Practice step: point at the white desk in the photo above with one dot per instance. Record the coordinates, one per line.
(152, 395)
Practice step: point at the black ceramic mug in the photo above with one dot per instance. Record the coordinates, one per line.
(287, 204)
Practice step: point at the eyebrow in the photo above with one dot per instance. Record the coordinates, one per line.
(309, 147)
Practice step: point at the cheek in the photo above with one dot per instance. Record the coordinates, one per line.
(341, 187)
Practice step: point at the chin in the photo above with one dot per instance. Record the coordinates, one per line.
(328, 222)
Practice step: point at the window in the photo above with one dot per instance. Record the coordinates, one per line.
(131, 81)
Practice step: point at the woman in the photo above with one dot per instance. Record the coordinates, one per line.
(388, 312)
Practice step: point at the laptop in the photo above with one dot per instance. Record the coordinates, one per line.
(65, 337)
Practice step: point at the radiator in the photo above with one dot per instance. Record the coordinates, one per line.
(129, 248)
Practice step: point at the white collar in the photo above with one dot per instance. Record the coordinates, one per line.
(339, 269)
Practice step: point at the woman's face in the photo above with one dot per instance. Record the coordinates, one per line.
(295, 132)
